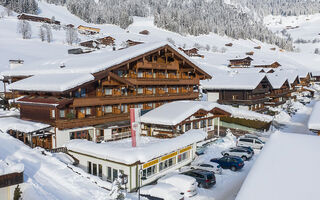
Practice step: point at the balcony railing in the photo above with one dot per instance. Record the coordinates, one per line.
(163, 81)
(129, 99)
(243, 102)
(120, 136)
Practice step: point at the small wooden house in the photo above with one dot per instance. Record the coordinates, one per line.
(229, 44)
(144, 32)
(191, 52)
(106, 40)
(250, 53)
(239, 63)
(257, 47)
(280, 90)
(91, 44)
(273, 48)
(35, 18)
(133, 43)
(88, 30)
(272, 65)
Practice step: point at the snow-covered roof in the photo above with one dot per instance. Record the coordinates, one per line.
(233, 81)
(91, 62)
(175, 112)
(9, 167)
(279, 174)
(314, 120)
(291, 75)
(315, 73)
(148, 148)
(12, 123)
(51, 82)
(277, 80)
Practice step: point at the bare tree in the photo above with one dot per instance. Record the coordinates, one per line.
(24, 28)
(48, 33)
(42, 33)
(71, 36)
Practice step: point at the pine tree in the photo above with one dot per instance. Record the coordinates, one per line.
(17, 193)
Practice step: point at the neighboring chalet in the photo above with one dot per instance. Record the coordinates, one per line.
(248, 90)
(36, 18)
(175, 118)
(315, 77)
(280, 91)
(240, 63)
(131, 43)
(98, 43)
(305, 78)
(88, 30)
(191, 52)
(144, 76)
(273, 65)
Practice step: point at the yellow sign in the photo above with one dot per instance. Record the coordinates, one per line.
(150, 163)
(169, 156)
(185, 149)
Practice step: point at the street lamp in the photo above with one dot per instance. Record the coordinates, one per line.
(140, 181)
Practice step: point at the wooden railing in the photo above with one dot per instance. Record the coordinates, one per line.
(243, 102)
(129, 99)
(11, 179)
(163, 81)
(120, 136)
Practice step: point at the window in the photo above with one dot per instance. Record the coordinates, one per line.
(109, 173)
(124, 108)
(149, 171)
(234, 97)
(62, 114)
(115, 174)
(140, 90)
(89, 167)
(209, 122)
(195, 125)
(202, 123)
(183, 156)
(53, 114)
(83, 92)
(88, 111)
(100, 170)
(187, 126)
(94, 169)
(167, 163)
(82, 110)
(108, 109)
(108, 91)
(140, 74)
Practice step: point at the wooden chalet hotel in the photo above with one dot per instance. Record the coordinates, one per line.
(89, 96)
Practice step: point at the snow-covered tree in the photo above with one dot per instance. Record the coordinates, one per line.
(24, 28)
(117, 189)
(316, 51)
(21, 6)
(71, 36)
(48, 33)
(42, 33)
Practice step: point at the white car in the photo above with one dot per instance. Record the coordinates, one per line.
(250, 142)
(162, 191)
(263, 139)
(240, 152)
(212, 167)
(186, 184)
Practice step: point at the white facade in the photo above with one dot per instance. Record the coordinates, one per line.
(213, 96)
(7, 193)
(108, 170)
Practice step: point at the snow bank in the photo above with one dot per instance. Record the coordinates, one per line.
(51, 82)
(314, 120)
(149, 148)
(12, 123)
(279, 174)
(8, 167)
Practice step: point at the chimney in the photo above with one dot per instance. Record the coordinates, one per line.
(15, 63)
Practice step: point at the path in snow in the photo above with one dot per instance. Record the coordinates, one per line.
(299, 122)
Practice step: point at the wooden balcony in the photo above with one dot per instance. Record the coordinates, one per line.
(273, 103)
(90, 121)
(130, 99)
(279, 94)
(11, 179)
(243, 102)
(158, 65)
(163, 81)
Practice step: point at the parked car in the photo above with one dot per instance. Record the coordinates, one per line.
(185, 184)
(205, 179)
(200, 150)
(213, 167)
(250, 142)
(263, 139)
(247, 148)
(161, 191)
(240, 152)
(229, 162)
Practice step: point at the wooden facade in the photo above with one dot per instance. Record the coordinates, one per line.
(239, 63)
(305, 80)
(252, 99)
(88, 30)
(38, 19)
(191, 52)
(273, 65)
(146, 81)
(279, 96)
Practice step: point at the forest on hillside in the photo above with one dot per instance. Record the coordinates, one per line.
(233, 18)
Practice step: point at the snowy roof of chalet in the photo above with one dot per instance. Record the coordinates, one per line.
(51, 82)
(12, 123)
(9, 167)
(316, 73)
(314, 122)
(148, 149)
(233, 81)
(90, 63)
(278, 174)
(175, 112)
(277, 80)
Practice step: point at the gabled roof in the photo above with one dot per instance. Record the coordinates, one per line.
(237, 81)
(175, 112)
(277, 80)
(246, 58)
(51, 82)
(95, 62)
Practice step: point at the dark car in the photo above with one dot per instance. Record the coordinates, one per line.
(205, 179)
(229, 162)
